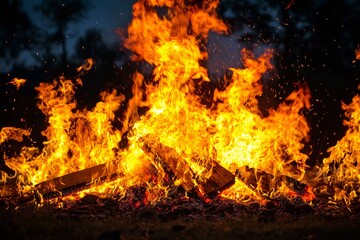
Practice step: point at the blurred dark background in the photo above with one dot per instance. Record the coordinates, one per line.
(314, 44)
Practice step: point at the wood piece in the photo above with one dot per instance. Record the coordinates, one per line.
(73, 179)
(59, 185)
(83, 179)
(68, 183)
(218, 181)
(170, 159)
(266, 184)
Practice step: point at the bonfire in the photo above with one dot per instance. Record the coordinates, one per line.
(225, 149)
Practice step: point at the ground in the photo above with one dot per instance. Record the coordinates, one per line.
(107, 219)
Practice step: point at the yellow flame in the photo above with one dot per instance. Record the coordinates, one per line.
(11, 133)
(341, 169)
(76, 139)
(18, 82)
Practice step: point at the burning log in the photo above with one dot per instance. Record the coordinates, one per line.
(220, 178)
(172, 161)
(68, 183)
(62, 184)
(266, 184)
(82, 179)
(73, 180)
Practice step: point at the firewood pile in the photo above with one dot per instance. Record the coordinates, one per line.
(187, 203)
(175, 166)
(189, 199)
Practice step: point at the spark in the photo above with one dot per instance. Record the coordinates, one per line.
(18, 82)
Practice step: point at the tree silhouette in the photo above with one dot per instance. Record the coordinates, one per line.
(252, 18)
(104, 73)
(92, 45)
(337, 34)
(17, 31)
(319, 33)
(282, 25)
(59, 15)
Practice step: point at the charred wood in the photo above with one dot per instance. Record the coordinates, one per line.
(219, 180)
(267, 184)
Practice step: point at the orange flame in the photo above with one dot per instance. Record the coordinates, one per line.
(87, 65)
(11, 133)
(18, 82)
(76, 139)
(341, 169)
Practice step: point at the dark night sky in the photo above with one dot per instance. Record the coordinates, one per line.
(106, 15)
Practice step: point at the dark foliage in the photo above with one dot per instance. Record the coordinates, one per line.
(17, 31)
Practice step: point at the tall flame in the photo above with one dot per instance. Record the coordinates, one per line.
(232, 131)
(341, 169)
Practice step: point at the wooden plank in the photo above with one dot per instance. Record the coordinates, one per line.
(82, 179)
(170, 159)
(218, 181)
(74, 179)
(68, 183)
(57, 184)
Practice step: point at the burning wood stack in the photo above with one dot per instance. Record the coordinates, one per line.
(219, 180)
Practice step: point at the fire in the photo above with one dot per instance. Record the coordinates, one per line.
(11, 133)
(341, 169)
(18, 82)
(76, 139)
(87, 65)
(264, 151)
(232, 131)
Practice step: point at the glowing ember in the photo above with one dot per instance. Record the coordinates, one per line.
(264, 152)
(18, 82)
(87, 65)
